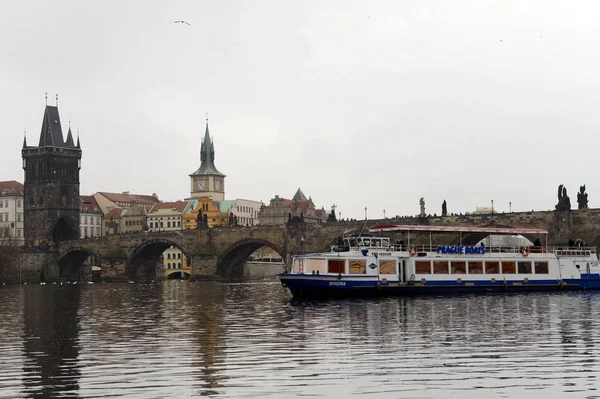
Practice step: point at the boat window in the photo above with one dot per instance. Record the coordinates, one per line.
(336, 266)
(422, 267)
(475, 267)
(541, 267)
(387, 266)
(354, 242)
(440, 267)
(358, 266)
(492, 267)
(375, 242)
(458, 267)
(299, 266)
(315, 265)
(524, 267)
(385, 242)
(366, 242)
(509, 267)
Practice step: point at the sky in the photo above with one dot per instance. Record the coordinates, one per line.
(361, 104)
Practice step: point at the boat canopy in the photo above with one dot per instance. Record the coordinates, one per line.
(455, 229)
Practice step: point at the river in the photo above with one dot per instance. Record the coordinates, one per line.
(177, 339)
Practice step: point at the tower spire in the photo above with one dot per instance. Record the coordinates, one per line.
(57, 100)
(46, 98)
(25, 138)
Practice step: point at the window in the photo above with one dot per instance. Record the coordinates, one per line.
(440, 267)
(492, 267)
(1, 204)
(168, 265)
(179, 255)
(168, 256)
(458, 267)
(509, 267)
(336, 266)
(541, 267)
(86, 220)
(475, 267)
(524, 267)
(18, 203)
(168, 224)
(357, 266)
(387, 266)
(422, 267)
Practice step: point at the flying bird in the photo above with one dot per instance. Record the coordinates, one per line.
(182, 22)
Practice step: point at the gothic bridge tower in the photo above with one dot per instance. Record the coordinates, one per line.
(51, 199)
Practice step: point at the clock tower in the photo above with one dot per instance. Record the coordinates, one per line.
(207, 181)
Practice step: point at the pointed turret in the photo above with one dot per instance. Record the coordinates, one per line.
(69, 142)
(25, 140)
(299, 196)
(51, 134)
(207, 157)
(78, 146)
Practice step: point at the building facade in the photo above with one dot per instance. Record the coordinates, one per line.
(90, 218)
(11, 211)
(210, 212)
(51, 187)
(280, 210)
(245, 211)
(167, 216)
(207, 181)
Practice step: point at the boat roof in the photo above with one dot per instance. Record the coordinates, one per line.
(456, 229)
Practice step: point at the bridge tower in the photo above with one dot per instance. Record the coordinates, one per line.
(51, 198)
(207, 181)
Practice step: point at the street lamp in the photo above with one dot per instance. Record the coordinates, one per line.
(384, 213)
(510, 207)
(301, 244)
(365, 213)
(492, 207)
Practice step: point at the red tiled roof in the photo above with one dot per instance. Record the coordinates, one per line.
(11, 188)
(113, 213)
(179, 206)
(89, 204)
(122, 197)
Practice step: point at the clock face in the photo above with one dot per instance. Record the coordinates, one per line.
(201, 185)
(218, 185)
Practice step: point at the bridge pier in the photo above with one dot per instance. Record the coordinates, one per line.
(204, 267)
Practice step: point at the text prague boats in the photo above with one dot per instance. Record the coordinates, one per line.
(367, 264)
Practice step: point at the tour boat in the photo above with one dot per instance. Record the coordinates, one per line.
(370, 264)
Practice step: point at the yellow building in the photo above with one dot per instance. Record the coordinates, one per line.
(214, 217)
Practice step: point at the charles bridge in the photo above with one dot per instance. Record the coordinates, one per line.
(222, 252)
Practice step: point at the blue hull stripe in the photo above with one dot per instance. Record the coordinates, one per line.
(332, 286)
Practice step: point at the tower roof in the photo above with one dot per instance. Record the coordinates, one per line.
(69, 141)
(207, 157)
(51, 134)
(299, 196)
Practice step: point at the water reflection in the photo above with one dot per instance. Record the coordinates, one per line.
(50, 340)
(181, 339)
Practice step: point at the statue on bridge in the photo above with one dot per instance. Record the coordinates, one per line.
(201, 221)
(564, 203)
(582, 198)
(444, 209)
(422, 205)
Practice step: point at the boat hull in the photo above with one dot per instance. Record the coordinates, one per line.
(315, 286)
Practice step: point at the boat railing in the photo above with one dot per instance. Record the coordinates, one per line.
(558, 251)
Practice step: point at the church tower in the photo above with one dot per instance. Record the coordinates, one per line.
(207, 181)
(51, 198)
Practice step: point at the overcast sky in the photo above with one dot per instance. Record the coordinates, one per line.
(360, 103)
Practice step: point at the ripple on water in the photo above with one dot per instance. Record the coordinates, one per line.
(250, 340)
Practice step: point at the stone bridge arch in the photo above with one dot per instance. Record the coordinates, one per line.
(71, 263)
(145, 259)
(230, 264)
